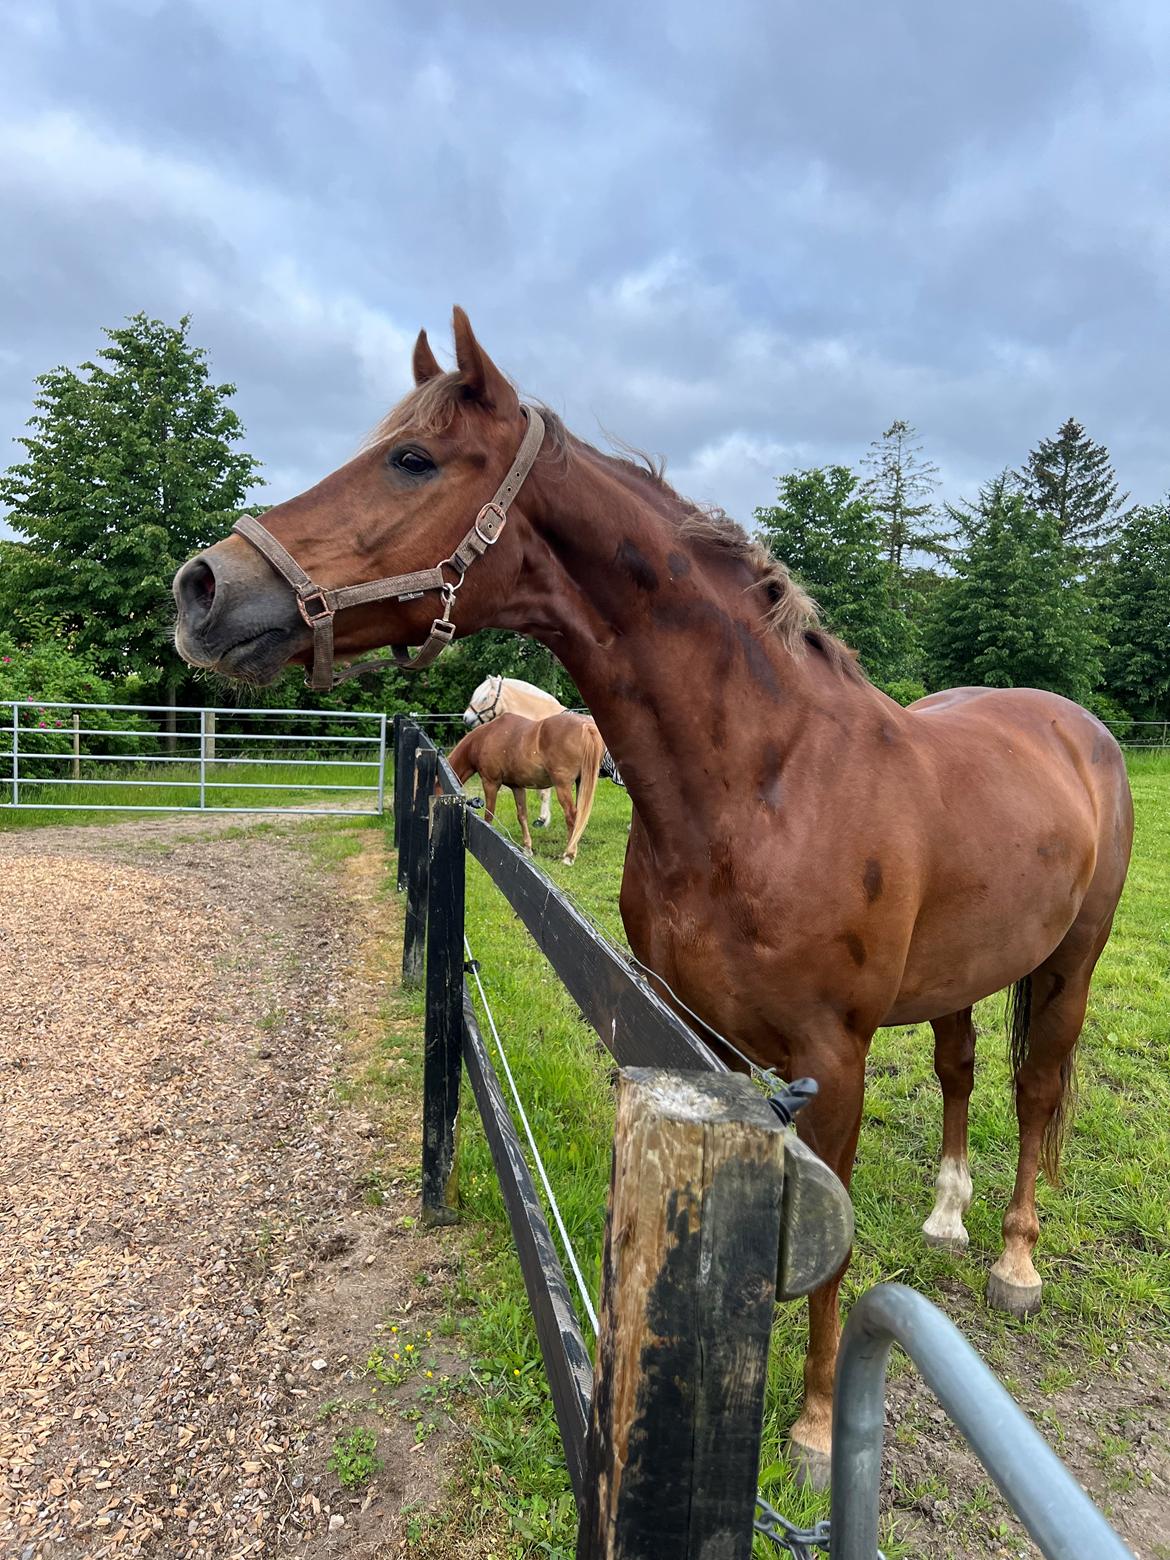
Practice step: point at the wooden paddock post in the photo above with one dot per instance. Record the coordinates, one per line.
(688, 1287)
(442, 1068)
(405, 745)
(417, 825)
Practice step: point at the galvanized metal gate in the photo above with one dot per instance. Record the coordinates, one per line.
(126, 757)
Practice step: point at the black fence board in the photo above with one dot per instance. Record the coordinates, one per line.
(632, 1022)
(566, 1359)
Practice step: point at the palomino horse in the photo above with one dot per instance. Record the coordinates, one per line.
(808, 861)
(563, 751)
(513, 696)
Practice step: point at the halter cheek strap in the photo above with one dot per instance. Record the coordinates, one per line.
(318, 605)
(482, 717)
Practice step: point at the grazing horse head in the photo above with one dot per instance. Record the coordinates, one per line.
(484, 704)
(422, 497)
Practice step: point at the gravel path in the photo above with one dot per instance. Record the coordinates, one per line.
(170, 1163)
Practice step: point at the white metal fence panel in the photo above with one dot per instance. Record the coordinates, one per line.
(107, 757)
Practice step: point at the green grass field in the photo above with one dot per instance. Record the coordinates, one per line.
(1105, 1234)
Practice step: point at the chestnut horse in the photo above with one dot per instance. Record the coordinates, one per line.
(562, 751)
(808, 861)
(513, 696)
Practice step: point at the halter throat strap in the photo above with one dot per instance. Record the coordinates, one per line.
(318, 605)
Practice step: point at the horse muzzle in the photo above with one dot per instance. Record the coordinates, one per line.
(235, 617)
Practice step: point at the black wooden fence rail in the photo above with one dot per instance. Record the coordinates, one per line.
(691, 1485)
(662, 1446)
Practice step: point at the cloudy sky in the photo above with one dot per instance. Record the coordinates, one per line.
(747, 236)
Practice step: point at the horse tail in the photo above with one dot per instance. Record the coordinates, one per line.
(592, 751)
(1019, 1016)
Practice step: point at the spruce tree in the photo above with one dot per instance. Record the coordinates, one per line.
(900, 492)
(130, 469)
(827, 533)
(1015, 614)
(1134, 590)
(1071, 478)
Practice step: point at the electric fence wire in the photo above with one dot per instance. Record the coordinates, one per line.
(554, 1206)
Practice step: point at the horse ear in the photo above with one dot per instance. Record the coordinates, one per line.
(482, 380)
(426, 364)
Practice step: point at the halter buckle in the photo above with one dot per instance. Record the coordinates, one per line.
(323, 615)
(491, 509)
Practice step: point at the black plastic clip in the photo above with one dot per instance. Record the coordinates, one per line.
(476, 802)
(471, 966)
(789, 1099)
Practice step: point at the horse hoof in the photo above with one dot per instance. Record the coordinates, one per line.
(540, 823)
(810, 1466)
(1016, 1299)
(957, 1242)
(568, 860)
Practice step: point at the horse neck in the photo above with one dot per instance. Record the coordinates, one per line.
(664, 635)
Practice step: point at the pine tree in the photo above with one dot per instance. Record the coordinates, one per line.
(1015, 614)
(130, 469)
(900, 493)
(1071, 478)
(828, 535)
(1135, 596)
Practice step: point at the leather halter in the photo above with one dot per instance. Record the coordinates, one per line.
(318, 606)
(485, 716)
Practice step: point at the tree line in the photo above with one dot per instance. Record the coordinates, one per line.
(1047, 578)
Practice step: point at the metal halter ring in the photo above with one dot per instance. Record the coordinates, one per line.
(311, 618)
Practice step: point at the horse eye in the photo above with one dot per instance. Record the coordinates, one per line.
(413, 462)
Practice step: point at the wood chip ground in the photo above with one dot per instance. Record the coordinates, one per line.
(173, 1173)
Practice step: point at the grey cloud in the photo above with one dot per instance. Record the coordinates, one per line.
(745, 239)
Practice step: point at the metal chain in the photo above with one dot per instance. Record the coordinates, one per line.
(799, 1542)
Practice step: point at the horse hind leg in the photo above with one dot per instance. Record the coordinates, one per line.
(954, 1065)
(1047, 1013)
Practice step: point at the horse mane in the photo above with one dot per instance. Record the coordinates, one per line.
(790, 613)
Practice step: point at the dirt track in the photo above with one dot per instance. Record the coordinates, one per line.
(182, 1233)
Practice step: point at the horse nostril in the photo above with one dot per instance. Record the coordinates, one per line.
(197, 588)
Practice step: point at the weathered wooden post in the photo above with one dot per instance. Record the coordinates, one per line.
(442, 1067)
(418, 864)
(688, 1287)
(405, 743)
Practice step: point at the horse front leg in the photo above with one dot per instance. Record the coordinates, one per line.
(830, 1125)
(520, 796)
(544, 817)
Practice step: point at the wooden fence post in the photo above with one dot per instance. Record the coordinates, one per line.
(405, 744)
(417, 830)
(688, 1286)
(76, 745)
(442, 1068)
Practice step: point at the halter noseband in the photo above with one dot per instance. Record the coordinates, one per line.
(318, 606)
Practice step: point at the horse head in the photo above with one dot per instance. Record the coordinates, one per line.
(415, 501)
(484, 703)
